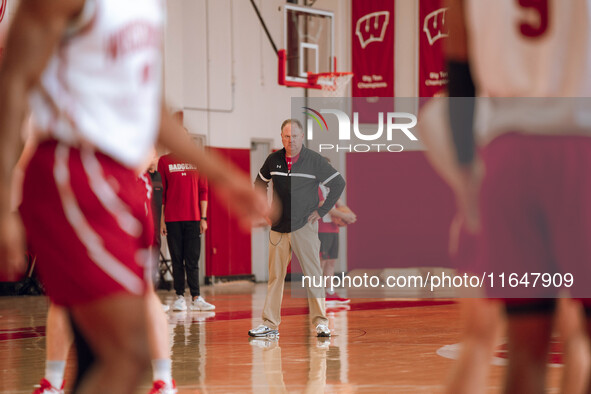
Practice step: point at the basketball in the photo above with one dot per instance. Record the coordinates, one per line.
(338, 221)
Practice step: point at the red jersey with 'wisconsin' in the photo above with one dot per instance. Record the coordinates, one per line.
(182, 189)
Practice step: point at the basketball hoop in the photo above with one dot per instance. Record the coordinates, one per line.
(332, 84)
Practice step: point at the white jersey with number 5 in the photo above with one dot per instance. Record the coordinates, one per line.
(102, 87)
(531, 48)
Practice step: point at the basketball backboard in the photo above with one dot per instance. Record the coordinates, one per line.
(308, 43)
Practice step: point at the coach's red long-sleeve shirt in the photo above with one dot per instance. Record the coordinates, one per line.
(182, 189)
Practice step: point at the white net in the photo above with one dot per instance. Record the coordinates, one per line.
(334, 84)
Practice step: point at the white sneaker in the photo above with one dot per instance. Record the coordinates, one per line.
(263, 331)
(159, 387)
(44, 387)
(322, 330)
(165, 307)
(199, 304)
(180, 304)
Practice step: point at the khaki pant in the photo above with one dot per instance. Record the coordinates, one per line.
(306, 245)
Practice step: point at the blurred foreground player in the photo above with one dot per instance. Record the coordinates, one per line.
(482, 318)
(58, 334)
(92, 71)
(531, 202)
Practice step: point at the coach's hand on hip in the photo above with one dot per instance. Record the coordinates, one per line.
(314, 217)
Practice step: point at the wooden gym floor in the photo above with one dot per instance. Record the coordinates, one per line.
(378, 346)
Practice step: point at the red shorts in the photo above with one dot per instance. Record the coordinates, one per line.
(88, 221)
(536, 212)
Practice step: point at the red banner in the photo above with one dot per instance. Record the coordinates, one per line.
(373, 48)
(433, 32)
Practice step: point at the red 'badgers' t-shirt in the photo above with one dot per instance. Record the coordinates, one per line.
(182, 189)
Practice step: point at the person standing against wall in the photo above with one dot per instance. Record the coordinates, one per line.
(184, 219)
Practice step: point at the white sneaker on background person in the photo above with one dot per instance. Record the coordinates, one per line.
(199, 304)
(180, 304)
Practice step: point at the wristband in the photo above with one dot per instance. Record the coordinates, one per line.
(203, 217)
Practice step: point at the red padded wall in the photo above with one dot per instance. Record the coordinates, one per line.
(228, 247)
(403, 211)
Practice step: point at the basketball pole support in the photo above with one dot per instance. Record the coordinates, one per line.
(256, 9)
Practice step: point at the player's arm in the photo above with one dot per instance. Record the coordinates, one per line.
(335, 183)
(232, 182)
(36, 30)
(461, 115)
(18, 174)
(461, 85)
(346, 216)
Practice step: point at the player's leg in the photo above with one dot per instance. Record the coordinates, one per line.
(85, 358)
(90, 259)
(329, 248)
(516, 240)
(570, 326)
(482, 324)
(115, 328)
(58, 339)
(529, 328)
(329, 253)
(328, 266)
(482, 318)
(568, 193)
(157, 331)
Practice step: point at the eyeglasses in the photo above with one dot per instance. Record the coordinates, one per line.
(291, 137)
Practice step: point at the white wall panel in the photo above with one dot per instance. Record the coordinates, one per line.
(173, 54)
(244, 100)
(219, 41)
(194, 44)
